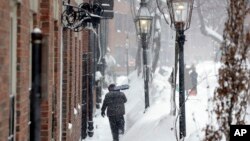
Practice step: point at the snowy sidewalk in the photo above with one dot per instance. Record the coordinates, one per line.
(102, 130)
(156, 124)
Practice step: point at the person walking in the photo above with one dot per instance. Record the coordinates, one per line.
(193, 76)
(114, 102)
(187, 80)
(110, 65)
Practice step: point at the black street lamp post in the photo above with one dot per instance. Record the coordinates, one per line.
(180, 12)
(35, 97)
(143, 26)
(180, 40)
(145, 69)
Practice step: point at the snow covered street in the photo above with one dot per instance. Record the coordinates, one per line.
(156, 124)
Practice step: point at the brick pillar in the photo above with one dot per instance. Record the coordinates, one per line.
(23, 71)
(66, 83)
(57, 70)
(70, 79)
(47, 26)
(84, 80)
(4, 69)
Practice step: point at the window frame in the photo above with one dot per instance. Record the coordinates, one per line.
(12, 67)
(55, 9)
(34, 5)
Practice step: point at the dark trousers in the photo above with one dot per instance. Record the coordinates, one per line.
(116, 124)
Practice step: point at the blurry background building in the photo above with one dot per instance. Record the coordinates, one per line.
(122, 28)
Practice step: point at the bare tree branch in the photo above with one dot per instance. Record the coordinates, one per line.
(206, 30)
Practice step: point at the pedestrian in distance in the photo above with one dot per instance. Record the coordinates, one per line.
(171, 78)
(114, 102)
(193, 76)
(187, 79)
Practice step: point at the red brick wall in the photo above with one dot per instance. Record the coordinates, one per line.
(57, 78)
(72, 82)
(72, 52)
(66, 82)
(47, 25)
(72, 86)
(23, 71)
(85, 41)
(74, 133)
(4, 69)
(74, 44)
(117, 39)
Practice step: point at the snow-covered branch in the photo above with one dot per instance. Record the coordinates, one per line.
(205, 29)
(213, 34)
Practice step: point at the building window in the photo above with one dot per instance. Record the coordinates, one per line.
(118, 22)
(130, 24)
(56, 9)
(34, 5)
(13, 44)
(120, 57)
(125, 23)
(12, 86)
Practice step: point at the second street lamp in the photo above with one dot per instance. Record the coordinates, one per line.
(143, 23)
(180, 13)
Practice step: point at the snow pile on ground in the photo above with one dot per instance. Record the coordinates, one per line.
(156, 124)
(98, 76)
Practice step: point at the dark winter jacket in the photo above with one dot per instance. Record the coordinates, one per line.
(194, 76)
(114, 102)
(187, 80)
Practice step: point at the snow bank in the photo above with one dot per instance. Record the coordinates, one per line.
(156, 124)
(98, 76)
(135, 95)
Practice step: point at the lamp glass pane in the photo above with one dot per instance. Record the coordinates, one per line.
(144, 25)
(143, 21)
(180, 11)
(137, 26)
(149, 26)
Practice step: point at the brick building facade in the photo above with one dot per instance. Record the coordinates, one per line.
(122, 33)
(65, 76)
